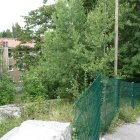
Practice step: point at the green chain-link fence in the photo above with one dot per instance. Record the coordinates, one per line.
(87, 115)
(98, 105)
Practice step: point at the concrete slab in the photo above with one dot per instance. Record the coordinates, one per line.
(40, 130)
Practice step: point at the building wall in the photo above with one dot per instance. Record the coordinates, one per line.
(1, 60)
(8, 62)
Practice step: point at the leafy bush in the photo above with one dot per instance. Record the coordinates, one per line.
(7, 90)
(33, 87)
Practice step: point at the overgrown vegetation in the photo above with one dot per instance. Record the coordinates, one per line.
(79, 43)
(75, 40)
(55, 110)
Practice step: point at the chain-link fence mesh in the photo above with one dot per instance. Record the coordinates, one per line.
(136, 95)
(87, 118)
(99, 104)
(125, 94)
(110, 102)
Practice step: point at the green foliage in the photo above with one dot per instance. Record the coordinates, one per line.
(89, 5)
(16, 30)
(9, 124)
(99, 38)
(36, 23)
(7, 90)
(6, 34)
(129, 41)
(53, 110)
(127, 115)
(40, 17)
(0, 34)
(81, 44)
(26, 57)
(62, 49)
(33, 87)
(76, 49)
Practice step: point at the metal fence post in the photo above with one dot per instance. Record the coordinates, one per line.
(132, 95)
(100, 100)
(118, 93)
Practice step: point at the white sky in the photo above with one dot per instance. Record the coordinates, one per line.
(12, 10)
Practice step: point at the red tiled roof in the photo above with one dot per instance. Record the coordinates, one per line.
(12, 43)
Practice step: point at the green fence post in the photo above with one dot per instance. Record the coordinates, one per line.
(118, 93)
(100, 101)
(132, 95)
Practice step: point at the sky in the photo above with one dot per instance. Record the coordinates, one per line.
(11, 11)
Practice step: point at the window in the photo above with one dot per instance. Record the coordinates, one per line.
(10, 54)
(20, 54)
(10, 67)
(21, 67)
(5, 44)
(20, 78)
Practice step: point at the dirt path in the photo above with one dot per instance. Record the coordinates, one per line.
(126, 132)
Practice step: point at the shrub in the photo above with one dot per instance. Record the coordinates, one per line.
(127, 115)
(33, 87)
(7, 90)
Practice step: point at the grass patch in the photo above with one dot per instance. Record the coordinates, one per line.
(128, 115)
(9, 124)
(40, 110)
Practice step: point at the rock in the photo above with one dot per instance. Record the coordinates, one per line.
(7, 111)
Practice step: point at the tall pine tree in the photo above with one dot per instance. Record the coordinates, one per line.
(64, 46)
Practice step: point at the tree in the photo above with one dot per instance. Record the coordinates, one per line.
(36, 24)
(0, 34)
(62, 56)
(129, 41)
(89, 5)
(82, 44)
(39, 21)
(6, 34)
(99, 38)
(16, 30)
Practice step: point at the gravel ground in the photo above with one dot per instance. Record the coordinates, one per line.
(125, 132)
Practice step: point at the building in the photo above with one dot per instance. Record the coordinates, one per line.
(7, 62)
